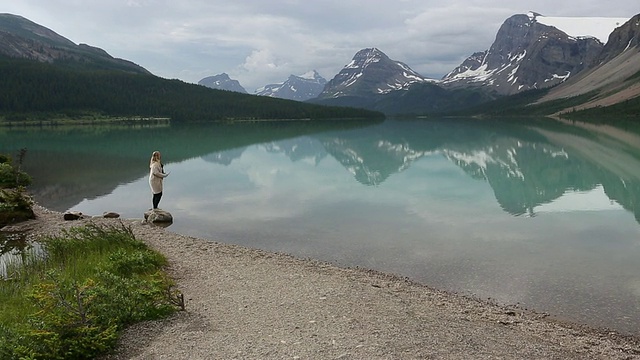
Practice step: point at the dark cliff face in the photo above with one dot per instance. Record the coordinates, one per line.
(612, 77)
(222, 82)
(525, 55)
(23, 39)
(622, 38)
(371, 72)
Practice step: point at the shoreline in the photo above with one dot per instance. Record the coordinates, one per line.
(249, 303)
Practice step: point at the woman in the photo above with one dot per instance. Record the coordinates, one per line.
(156, 175)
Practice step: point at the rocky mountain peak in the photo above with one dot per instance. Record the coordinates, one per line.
(312, 75)
(612, 78)
(222, 82)
(371, 72)
(526, 54)
(296, 87)
(622, 38)
(365, 57)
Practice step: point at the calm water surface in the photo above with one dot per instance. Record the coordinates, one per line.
(538, 213)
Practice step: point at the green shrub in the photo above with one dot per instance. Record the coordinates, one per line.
(15, 206)
(66, 327)
(126, 300)
(93, 282)
(10, 176)
(122, 263)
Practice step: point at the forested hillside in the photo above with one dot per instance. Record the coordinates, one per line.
(32, 90)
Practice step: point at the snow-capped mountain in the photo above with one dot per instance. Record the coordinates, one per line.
(373, 81)
(300, 88)
(371, 73)
(530, 52)
(222, 82)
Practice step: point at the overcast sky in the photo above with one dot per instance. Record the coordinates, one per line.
(258, 42)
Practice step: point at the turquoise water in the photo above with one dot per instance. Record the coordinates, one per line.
(537, 213)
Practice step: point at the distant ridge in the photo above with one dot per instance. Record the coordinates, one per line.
(23, 39)
(46, 76)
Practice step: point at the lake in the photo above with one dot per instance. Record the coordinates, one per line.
(537, 213)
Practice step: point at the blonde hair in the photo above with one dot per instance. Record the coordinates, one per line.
(155, 157)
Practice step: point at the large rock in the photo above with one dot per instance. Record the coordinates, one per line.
(156, 216)
(73, 215)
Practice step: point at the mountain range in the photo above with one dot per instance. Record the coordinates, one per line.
(45, 77)
(303, 87)
(296, 87)
(529, 54)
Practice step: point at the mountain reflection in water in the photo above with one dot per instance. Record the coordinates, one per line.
(535, 212)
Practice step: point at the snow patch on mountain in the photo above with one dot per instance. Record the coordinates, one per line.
(481, 160)
(310, 75)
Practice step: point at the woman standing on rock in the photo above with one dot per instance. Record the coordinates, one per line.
(156, 175)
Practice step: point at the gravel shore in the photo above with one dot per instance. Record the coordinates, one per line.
(244, 303)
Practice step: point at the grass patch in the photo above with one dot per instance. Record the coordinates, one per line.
(73, 300)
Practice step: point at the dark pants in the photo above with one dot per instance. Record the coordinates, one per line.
(156, 199)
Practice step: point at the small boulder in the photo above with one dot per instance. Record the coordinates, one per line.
(73, 215)
(158, 216)
(110, 215)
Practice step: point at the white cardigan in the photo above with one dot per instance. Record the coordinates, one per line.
(156, 176)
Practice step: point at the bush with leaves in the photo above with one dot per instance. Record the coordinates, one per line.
(96, 281)
(12, 176)
(15, 204)
(66, 327)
